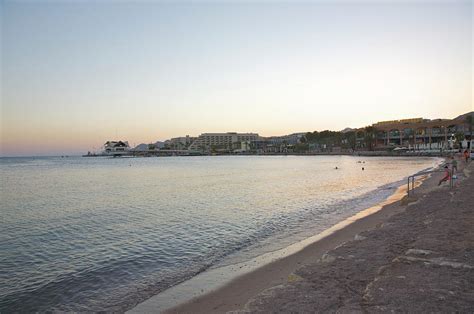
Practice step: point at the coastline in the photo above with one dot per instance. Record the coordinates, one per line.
(381, 153)
(419, 260)
(229, 288)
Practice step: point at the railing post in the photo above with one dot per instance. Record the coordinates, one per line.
(408, 186)
(451, 181)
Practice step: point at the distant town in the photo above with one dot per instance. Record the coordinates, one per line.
(395, 137)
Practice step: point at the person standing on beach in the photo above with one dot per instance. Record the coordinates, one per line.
(446, 177)
(454, 164)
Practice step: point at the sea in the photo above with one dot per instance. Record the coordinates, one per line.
(104, 234)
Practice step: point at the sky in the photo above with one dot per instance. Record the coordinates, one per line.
(75, 74)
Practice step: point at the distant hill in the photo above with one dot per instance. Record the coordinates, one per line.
(144, 147)
(463, 116)
(347, 130)
(141, 147)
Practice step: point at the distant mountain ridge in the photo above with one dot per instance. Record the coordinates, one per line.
(463, 116)
(144, 147)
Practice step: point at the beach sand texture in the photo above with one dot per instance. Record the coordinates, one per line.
(417, 258)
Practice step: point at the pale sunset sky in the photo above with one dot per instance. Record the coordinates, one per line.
(75, 74)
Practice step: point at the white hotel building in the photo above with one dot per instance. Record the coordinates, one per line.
(207, 140)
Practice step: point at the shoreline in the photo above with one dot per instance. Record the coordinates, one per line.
(140, 154)
(230, 287)
(418, 261)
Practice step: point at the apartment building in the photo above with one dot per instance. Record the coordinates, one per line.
(290, 139)
(425, 133)
(180, 142)
(223, 140)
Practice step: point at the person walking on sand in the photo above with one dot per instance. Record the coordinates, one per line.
(446, 177)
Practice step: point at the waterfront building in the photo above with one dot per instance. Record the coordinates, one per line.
(227, 140)
(290, 139)
(181, 142)
(116, 148)
(417, 133)
(242, 147)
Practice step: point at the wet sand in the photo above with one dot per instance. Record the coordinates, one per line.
(419, 260)
(225, 289)
(235, 294)
(361, 266)
(287, 284)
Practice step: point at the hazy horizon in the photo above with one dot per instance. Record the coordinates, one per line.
(74, 75)
(71, 153)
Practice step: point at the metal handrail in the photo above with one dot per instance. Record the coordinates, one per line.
(412, 179)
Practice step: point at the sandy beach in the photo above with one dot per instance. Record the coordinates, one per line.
(236, 156)
(411, 255)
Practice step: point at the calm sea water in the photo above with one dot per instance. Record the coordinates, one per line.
(91, 234)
